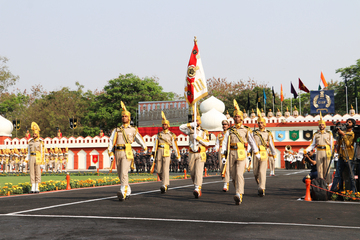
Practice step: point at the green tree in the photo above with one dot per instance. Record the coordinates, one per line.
(351, 76)
(105, 110)
(7, 79)
(54, 109)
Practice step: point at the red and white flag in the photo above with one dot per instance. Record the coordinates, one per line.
(195, 84)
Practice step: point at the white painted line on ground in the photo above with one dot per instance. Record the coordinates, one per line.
(186, 220)
(307, 170)
(100, 199)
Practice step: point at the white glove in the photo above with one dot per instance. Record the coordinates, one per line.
(223, 160)
(111, 158)
(42, 166)
(179, 159)
(151, 159)
(257, 156)
(193, 124)
(249, 158)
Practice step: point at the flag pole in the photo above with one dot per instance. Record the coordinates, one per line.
(291, 106)
(195, 110)
(300, 101)
(347, 108)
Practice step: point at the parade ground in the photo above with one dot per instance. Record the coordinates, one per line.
(96, 213)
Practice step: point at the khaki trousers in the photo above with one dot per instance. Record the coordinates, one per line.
(272, 164)
(322, 164)
(122, 166)
(163, 167)
(260, 172)
(196, 168)
(237, 171)
(226, 179)
(35, 171)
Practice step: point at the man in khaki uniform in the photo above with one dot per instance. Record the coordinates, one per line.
(36, 157)
(218, 146)
(278, 113)
(323, 141)
(120, 142)
(2, 160)
(287, 113)
(198, 141)
(234, 147)
(270, 113)
(52, 160)
(265, 142)
(65, 158)
(47, 160)
(163, 141)
(295, 112)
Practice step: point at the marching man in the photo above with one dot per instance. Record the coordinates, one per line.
(198, 141)
(265, 142)
(36, 157)
(163, 141)
(323, 141)
(120, 143)
(234, 151)
(218, 146)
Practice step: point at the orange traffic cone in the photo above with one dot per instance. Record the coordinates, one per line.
(307, 183)
(68, 182)
(185, 176)
(206, 172)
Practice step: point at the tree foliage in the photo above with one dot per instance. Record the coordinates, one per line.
(7, 79)
(351, 76)
(105, 110)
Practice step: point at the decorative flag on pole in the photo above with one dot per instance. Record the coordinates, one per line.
(323, 81)
(264, 97)
(281, 94)
(293, 91)
(258, 102)
(195, 85)
(302, 87)
(273, 93)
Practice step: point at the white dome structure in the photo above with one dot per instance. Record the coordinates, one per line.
(212, 114)
(6, 127)
(212, 119)
(210, 103)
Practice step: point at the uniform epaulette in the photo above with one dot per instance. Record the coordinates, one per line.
(173, 134)
(248, 128)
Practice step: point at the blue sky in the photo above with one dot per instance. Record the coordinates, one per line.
(56, 43)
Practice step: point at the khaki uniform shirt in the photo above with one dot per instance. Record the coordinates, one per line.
(167, 137)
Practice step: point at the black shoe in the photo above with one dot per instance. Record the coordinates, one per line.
(261, 192)
(238, 199)
(36, 192)
(120, 196)
(31, 192)
(163, 189)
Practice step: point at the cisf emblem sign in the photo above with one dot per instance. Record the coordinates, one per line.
(322, 101)
(307, 135)
(294, 135)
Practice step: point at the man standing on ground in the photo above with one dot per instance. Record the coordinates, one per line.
(120, 142)
(323, 141)
(163, 141)
(198, 141)
(218, 146)
(36, 157)
(234, 148)
(265, 142)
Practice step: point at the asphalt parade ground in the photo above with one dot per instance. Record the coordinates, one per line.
(96, 213)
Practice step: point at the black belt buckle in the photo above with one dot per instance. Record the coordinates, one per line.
(234, 147)
(120, 148)
(321, 147)
(33, 154)
(161, 146)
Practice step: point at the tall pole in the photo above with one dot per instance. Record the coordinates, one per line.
(347, 109)
(299, 100)
(291, 106)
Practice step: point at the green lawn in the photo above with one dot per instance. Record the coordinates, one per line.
(22, 179)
